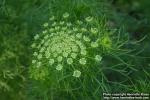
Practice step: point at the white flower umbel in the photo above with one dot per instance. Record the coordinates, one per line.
(66, 45)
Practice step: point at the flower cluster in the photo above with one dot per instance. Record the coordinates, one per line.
(66, 45)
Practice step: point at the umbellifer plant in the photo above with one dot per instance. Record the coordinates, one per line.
(68, 54)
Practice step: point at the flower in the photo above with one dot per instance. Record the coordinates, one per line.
(42, 49)
(74, 48)
(35, 53)
(79, 35)
(46, 43)
(68, 50)
(38, 64)
(47, 54)
(44, 32)
(89, 19)
(59, 67)
(82, 61)
(66, 15)
(69, 24)
(33, 45)
(64, 28)
(94, 30)
(46, 37)
(45, 24)
(98, 58)
(39, 46)
(51, 61)
(59, 58)
(57, 28)
(75, 29)
(76, 73)
(83, 29)
(85, 38)
(94, 44)
(83, 52)
(69, 61)
(36, 37)
(65, 54)
(69, 31)
(73, 55)
(66, 43)
(43, 41)
(39, 56)
(55, 54)
(79, 22)
(54, 24)
(51, 30)
(33, 61)
(61, 22)
(52, 18)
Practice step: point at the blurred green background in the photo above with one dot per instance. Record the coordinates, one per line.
(20, 21)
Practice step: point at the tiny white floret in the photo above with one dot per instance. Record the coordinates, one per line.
(59, 67)
(76, 73)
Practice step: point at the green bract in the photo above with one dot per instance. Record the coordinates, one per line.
(68, 46)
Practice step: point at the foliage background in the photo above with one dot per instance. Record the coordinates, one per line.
(20, 20)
